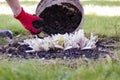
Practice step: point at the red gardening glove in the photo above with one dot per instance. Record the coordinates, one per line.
(26, 20)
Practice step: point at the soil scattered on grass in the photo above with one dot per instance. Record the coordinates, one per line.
(61, 19)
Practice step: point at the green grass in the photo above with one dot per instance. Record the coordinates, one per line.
(8, 22)
(27, 3)
(89, 2)
(101, 3)
(37, 70)
(104, 26)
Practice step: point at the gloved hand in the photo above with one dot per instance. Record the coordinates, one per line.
(6, 33)
(27, 20)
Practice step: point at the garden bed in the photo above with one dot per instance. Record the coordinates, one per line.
(18, 49)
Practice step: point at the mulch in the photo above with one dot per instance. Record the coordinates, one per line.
(103, 48)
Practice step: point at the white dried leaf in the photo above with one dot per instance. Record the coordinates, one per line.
(66, 41)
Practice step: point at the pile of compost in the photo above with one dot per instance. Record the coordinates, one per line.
(60, 19)
(21, 51)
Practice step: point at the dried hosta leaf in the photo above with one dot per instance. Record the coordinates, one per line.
(65, 41)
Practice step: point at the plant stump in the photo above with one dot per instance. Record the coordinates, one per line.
(60, 16)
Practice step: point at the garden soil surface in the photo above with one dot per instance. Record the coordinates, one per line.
(104, 47)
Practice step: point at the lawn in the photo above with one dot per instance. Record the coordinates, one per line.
(38, 69)
(104, 26)
(57, 70)
(84, 2)
(101, 2)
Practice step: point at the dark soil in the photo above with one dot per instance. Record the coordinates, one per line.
(60, 19)
(17, 50)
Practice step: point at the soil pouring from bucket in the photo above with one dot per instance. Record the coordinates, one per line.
(60, 16)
